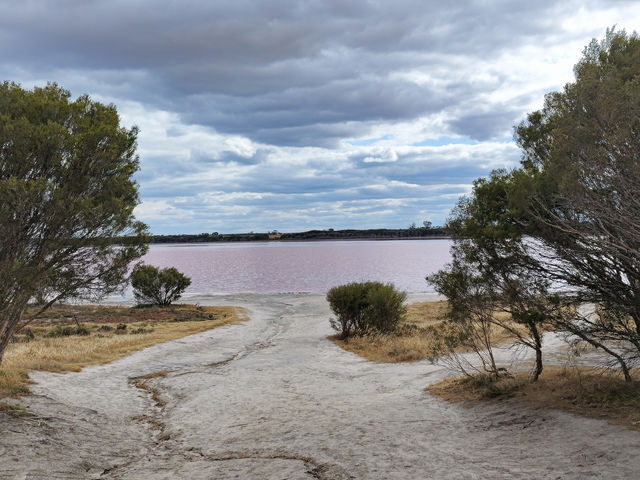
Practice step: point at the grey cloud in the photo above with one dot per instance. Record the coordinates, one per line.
(486, 125)
(262, 69)
(295, 74)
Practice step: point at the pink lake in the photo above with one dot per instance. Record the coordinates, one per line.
(315, 267)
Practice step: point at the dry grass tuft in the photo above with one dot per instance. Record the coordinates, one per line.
(589, 393)
(68, 338)
(14, 410)
(142, 384)
(424, 314)
(415, 340)
(387, 348)
(148, 376)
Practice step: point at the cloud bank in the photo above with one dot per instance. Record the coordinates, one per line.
(289, 115)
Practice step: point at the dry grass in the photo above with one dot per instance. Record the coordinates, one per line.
(142, 383)
(424, 314)
(109, 333)
(415, 340)
(589, 393)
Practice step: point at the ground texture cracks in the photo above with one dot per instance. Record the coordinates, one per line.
(274, 399)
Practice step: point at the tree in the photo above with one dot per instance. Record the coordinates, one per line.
(567, 218)
(152, 286)
(66, 197)
(492, 280)
(578, 192)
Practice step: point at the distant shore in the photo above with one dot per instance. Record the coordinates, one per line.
(421, 233)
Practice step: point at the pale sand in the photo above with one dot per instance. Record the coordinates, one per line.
(274, 399)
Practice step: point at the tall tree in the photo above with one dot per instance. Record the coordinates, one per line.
(492, 272)
(66, 193)
(579, 191)
(569, 216)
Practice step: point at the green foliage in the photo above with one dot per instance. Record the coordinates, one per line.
(67, 195)
(567, 217)
(579, 186)
(365, 307)
(384, 307)
(347, 302)
(153, 286)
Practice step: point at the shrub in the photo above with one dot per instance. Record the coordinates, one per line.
(385, 307)
(347, 303)
(367, 306)
(140, 330)
(67, 331)
(153, 286)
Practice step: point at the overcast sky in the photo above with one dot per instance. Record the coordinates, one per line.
(260, 115)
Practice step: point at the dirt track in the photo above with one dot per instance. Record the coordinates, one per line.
(274, 399)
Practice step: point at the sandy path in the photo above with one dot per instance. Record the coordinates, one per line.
(273, 399)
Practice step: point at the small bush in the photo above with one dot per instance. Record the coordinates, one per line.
(347, 303)
(365, 307)
(67, 331)
(121, 329)
(140, 330)
(153, 286)
(384, 307)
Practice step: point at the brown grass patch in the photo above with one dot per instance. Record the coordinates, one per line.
(424, 314)
(416, 338)
(51, 342)
(143, 384)
(14, 410)
(585, 392)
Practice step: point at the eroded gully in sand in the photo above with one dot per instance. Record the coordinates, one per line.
(274, 399)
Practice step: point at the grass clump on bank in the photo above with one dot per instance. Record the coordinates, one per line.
(412, 340)
(586, 392)
(416, 337)
(69, 337)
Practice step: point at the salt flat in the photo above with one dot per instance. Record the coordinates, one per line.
(274, 399)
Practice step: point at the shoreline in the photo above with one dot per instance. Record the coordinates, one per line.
(306, 240)
(273, 398)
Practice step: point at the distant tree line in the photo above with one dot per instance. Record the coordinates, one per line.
(330, 234)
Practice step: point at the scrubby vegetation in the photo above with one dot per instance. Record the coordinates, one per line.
(68, 338)
(587, 392)
(423, 334)
(554, 246)
(367, 307)
(154, 286)
(555, 242)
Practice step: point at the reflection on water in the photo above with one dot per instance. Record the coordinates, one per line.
(302, 266)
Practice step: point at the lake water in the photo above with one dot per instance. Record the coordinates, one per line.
(314, 267)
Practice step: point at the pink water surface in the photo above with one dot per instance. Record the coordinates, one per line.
(301, 266)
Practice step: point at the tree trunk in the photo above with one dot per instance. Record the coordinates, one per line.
(8, 324)
(537, 339)
(538, 370)
(9, 318)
